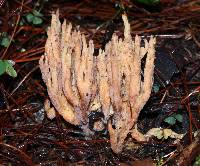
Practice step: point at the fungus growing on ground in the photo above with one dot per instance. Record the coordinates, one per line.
(79, 83)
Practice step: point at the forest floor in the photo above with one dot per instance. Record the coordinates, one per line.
(28, 137)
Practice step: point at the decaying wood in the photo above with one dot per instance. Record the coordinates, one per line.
(77, 82)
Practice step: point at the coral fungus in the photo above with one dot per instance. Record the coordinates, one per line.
(79, 83)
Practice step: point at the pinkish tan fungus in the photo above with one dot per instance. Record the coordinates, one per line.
(79, 83)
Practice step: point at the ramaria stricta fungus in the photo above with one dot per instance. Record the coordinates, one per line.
(79, 83)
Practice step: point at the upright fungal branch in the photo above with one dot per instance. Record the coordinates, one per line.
(79, 83)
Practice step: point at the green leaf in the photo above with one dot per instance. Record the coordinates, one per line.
(156, 88)
(179, 117)
(10, 70)
(7, 66)
(29, 17)
(21, 23)
(170, 120)
(197, 161)
(37, 20)
(5, 41)
(2, 67)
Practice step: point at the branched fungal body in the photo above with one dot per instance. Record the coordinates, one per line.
(79, 83)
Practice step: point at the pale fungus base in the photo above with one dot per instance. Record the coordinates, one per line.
(77, 82)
